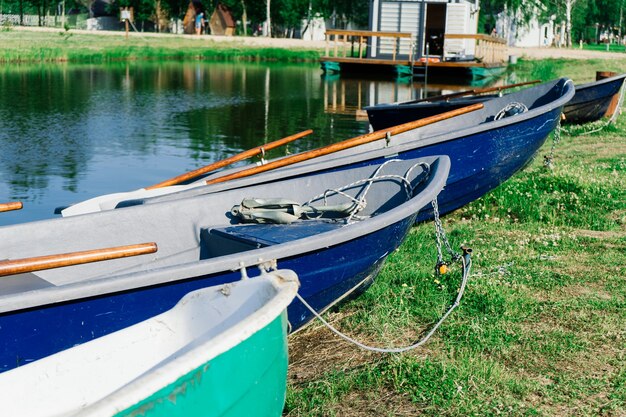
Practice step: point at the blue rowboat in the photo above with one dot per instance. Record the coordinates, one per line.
(201, 242)
(486, 147)
(592, 101)
(220, 351)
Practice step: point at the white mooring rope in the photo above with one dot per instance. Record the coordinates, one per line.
(467, 264)
(361, 202)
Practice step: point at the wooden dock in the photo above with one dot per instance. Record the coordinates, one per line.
(347, 51)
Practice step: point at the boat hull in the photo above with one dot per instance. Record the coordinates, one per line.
(37, 333)
(481, 162)
(484, 151)
(331, 258)
(248, 380)
(593, 101)
(220, 351)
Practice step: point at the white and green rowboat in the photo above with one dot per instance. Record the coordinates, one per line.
(221, 351)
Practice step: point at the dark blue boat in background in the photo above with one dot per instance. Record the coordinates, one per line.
(595, 100)
(203, 242)
(384, 116)
(591, 102)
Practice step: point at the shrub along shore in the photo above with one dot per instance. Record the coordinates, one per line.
(20, 45)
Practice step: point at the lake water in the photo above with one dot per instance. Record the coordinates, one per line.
(69, 133)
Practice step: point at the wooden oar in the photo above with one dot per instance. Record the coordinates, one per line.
(13, 205)
(224, 162)
(19, 266)
(346, 144)
(470, 92)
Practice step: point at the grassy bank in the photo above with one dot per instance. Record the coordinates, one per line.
(579, 71)
(541, 330)
(62, 46)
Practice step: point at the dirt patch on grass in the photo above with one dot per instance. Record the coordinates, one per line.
(589, 289)
(570, 291)
(609, 149)
(377, 403)
(600, 234)
(583, 385)
(316, 351)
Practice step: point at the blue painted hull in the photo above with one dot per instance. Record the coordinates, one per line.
(325, 276)
(199, 247)
(484, 152)
(482, 161)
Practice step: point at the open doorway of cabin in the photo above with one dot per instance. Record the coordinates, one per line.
(435, 28)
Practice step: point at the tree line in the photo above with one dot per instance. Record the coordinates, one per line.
(586, 20)
(286, 16)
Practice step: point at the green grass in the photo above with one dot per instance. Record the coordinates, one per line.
(579, 71)
(541, 330)
(36, 47)
(613, 47)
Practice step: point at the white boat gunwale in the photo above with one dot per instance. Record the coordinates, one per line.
(188, 358)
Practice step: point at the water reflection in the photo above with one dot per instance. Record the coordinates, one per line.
(69, 133)
(349, 96)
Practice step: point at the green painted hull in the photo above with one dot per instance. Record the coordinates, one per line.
(330, 67)
(480, 73)
(248, 380)
(404, 71)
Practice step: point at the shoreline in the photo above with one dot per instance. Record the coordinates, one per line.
(253, 41)
(55, 45)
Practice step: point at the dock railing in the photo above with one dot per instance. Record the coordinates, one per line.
(344, 41)
(487, 49)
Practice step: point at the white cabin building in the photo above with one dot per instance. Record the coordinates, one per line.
(535, 32)
(428, 21)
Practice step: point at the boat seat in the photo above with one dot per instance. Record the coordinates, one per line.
(243, 237)
(19, 283)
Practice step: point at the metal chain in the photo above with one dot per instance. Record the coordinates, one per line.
(440, 234)
(556, 138)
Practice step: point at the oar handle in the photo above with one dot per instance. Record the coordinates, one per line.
(346, 144)
(235, 158)
(38, 263)
(506, 87)
(13, 205)
(470, 92)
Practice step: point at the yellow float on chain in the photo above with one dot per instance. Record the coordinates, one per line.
(442, 268)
